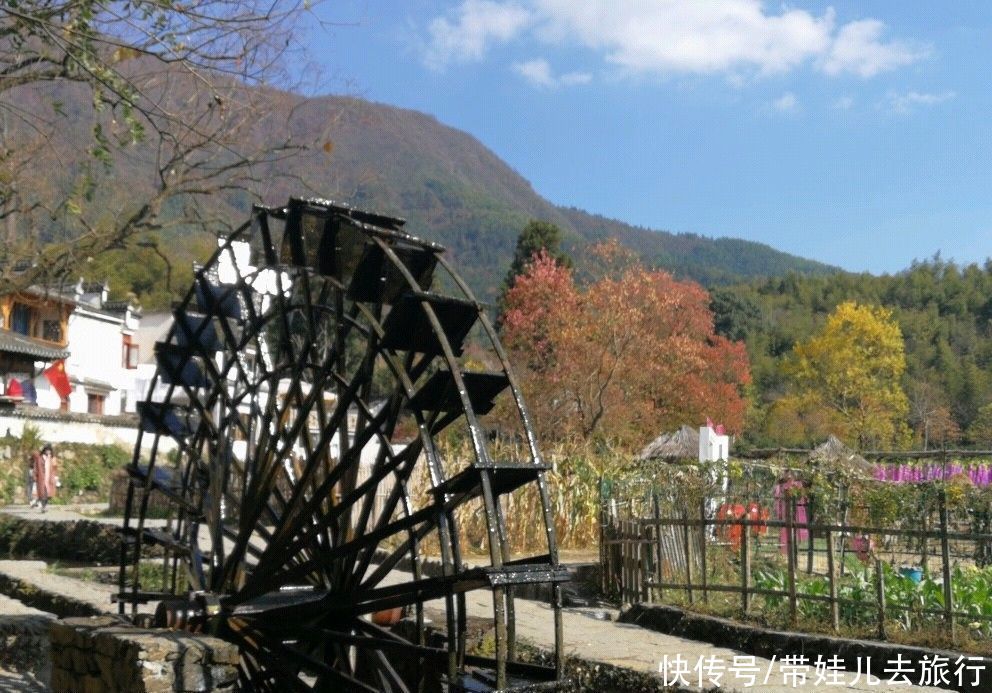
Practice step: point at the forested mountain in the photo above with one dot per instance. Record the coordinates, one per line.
(449, 187)
(943, 310)
(454, 190)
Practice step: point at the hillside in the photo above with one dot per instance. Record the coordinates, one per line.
(449, 186)
(943, 310)
(454, 190)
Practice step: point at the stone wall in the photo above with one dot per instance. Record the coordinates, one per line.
(78, 540)
(63, 427)
(102, 654)
(158, 504)
(24, 642)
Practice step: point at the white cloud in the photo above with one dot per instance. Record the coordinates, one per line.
(786, 103)
(663, 37)
(538, 73)
(858, 49)
(692, 37)
(844, 103)
(904, 103)
(570, 79)
(474, 26)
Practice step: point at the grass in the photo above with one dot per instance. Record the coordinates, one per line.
(150, 573)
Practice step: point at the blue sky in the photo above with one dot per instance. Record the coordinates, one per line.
(854, 133)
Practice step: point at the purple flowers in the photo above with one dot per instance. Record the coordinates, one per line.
(979, 474)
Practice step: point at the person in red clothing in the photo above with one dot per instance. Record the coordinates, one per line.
(46, 475)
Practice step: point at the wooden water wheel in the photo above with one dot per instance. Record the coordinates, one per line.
(297, 401)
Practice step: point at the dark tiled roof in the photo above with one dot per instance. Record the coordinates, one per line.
(19, 344)
(32, 412)
(116, 306)
(95, 384)
(94, 287)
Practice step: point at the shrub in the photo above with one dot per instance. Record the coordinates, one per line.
(85, 471)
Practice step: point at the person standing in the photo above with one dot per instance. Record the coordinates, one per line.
(32, 489)
(46, 475)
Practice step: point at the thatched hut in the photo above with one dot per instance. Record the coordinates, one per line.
(677, 446)
(832, 453)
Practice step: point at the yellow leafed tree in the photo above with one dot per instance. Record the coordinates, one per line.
(852, 369)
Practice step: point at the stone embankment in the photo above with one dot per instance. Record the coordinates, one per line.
(103, 655)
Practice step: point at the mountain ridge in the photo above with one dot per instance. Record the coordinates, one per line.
(449, 185)
(454, 189)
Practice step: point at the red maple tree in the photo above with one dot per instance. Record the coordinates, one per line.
(632, 354)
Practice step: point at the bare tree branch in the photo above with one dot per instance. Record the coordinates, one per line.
(169, 97)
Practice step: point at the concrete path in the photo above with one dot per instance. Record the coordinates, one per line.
(37, 573)
(586, 636)
(63, 513)
(639, 649)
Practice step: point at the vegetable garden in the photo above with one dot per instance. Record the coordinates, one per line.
(897, 548)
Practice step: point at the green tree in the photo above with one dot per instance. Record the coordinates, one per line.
(536, 236)
(853, 368)
(980, 430)
(734, 316)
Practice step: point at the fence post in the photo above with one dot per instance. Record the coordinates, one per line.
(648, 552)
(702, 548)
(635, 555)
(880, 598)
(745, 567)
(635, 538)
(945, 559)
(832, 581)
(622, 557)
(643, 553)
(625, 524)
(688, 555)
(659, 570)
(603, 552)
(844, 506)
(635, 563)
(790, 542)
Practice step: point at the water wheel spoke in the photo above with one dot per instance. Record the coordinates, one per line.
(311, 531)
(293, 664)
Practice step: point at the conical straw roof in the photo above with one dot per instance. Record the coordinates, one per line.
(678, 445)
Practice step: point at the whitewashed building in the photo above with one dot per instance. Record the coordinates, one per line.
(713, 446)
(102, 359)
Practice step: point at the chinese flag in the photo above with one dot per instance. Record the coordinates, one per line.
(58, 378)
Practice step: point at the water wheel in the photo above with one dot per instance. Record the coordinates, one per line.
(287, 491)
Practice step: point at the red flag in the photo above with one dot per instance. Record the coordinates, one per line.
(709, 422)
(58, 378)
(14, 388)
(720, 430)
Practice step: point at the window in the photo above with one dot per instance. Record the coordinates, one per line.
(20, 319)
(129, 353)
(94, 403)
(51, 330)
